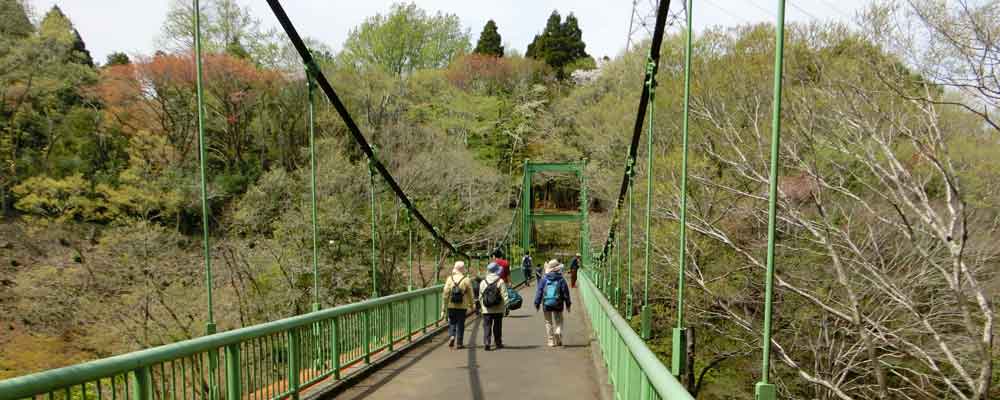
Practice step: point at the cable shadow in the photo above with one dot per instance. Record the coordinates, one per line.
(475, 384)
(528, 347)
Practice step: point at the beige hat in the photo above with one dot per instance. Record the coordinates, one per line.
(459, 268)
(553, 265)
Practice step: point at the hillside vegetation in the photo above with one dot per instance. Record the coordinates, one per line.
(887, 265)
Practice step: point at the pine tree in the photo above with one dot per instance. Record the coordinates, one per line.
(489, 41)
(56, 24)
(559, 45)
(15, 20)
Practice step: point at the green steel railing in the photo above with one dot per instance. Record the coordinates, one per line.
(275, 360)
(633, 369)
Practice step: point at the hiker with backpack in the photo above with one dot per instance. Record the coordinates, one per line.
(526, 266)
(574, 268)
(457, 304)
(494, 298)
(552, 295)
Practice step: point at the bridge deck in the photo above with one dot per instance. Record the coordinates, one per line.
(526, 368)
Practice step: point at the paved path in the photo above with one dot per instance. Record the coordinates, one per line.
(525, 369)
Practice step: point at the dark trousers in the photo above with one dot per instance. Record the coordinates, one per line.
(572, 278)
(528, 276)
(492, 328)
(456, 324)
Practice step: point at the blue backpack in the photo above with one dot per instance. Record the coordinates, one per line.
(552, 297)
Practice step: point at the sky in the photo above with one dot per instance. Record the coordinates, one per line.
(132, 26)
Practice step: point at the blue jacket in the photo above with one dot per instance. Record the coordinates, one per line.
(555, 278)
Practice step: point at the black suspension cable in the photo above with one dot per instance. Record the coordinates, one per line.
(352, 127)
(654, 59)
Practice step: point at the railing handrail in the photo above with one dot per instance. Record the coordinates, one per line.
(47, 381)
(659, 376)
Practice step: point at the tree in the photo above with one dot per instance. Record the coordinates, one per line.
(54, 22)
(406, 39)
(489, 41)
(117, 58)
(16, 23)
(949, 44)
(559, 45)
(225, 28)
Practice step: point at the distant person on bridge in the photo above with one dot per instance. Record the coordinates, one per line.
(493, 298)
(553, 296)
(526, 266)
(457, 304)
(504, 266)
(574, 267)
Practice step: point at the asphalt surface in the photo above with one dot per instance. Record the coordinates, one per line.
(526, 369)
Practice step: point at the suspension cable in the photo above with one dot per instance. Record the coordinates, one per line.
(352, 126)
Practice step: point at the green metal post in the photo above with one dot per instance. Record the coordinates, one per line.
(618, 272)
(409, 251)
(210, 325)
(651, 83)
(585, 253)
(765, 390)
(294, 363)
(678, 353)
(526, 208)
(628, 299)
(367, 326)
(233, 381)
(312, 162)
(142, 384)
(371, 178)
(335, 347)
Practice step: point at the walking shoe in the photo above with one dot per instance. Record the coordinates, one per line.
(459, 347)
(552, 343)
(487, 348)
(451, 342)
(499, 346)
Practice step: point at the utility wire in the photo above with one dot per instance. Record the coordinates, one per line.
(352, 127)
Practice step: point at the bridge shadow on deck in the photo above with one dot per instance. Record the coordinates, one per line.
(526, 368)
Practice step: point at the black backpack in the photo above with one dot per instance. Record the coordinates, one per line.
(491, 295)
(457, 295)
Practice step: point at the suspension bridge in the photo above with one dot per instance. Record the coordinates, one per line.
(389, 346)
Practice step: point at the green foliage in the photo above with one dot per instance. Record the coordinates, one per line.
(489, 42)
(406, 39)
(68, 199)
(117, 58)
(56, 24)
(559, 45)
(16, 24)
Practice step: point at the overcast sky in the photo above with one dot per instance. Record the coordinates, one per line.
(132, 26)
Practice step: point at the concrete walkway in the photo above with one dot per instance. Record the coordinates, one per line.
(525, 369)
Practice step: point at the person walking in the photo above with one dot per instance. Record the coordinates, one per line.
(574, 267)
(457, 304)
(504, 266)
(493, 298)
(552, 295)
(526, 266)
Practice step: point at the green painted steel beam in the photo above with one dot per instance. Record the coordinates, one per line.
(574, 167)
(554, 217)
